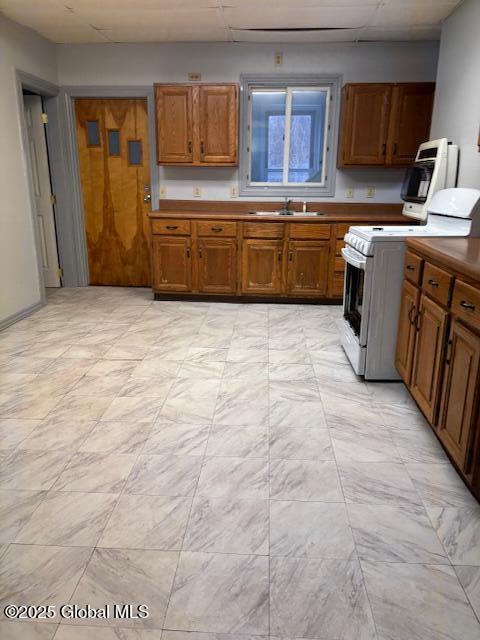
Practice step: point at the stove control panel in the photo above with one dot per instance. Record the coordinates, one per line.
(360, 244)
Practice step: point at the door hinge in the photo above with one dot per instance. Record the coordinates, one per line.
(60, 272)
(44, 118)
(53, 198)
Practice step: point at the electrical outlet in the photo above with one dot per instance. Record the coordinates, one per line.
(278, 59)
(370, 192)
(194, 76)
(350, 192)
(163, 192)
(233, 191)
(197, 192)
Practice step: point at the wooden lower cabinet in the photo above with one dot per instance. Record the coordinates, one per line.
(407, 331)
(431, 325)
(262, 266)
(308, 268)
(460, 395)
(217, 265)
(171, 264)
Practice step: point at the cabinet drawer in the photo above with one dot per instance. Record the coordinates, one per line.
(171, 227)
(466, 303)
(307, 231)
(413, 268)
(263, 229)
(437, 283)
(341, 230)
(220, 228)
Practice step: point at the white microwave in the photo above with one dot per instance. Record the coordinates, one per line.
(435, 168)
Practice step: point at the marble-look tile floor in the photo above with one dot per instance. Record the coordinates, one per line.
(222, 464)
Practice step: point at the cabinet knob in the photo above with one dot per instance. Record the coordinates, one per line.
(467, 305)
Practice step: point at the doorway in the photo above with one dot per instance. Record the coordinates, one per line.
(41, 188)
(113, 149)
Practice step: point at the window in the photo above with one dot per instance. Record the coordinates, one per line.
(113, 142)
(93, 133)
(287, 134)
(134, 152)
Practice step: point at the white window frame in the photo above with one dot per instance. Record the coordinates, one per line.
(326, 187)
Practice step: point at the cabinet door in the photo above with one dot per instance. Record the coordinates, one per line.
(460, 393)
(217, 265)
(174, 124)
(308, 268)
(428, 357)
(262, 266)
(406, 330)
(218, 108)
(171, 264)
(409, 121)
(364, 126)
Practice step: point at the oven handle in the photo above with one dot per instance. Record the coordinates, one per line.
(355, 258)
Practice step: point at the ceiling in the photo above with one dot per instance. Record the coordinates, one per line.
(86, 21)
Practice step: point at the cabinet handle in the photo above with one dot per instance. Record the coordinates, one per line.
(217, 229)
(290, 256)
(190, 148)
(172, 227)
(384, 148)
(188, 252)
(395, 147)
(448, 355)
(202, 147)
(467, 305)
(280, 256)
(200, 252)
(418, 320)
(433, 283)
(410, 267)
(410, 317)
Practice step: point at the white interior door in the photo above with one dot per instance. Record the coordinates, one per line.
(41, 189)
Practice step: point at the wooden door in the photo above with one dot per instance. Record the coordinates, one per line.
(460, 393)
(262, 266)
(217, 265)
(407, 331)
(428, 357)
(174, 106)
(364, 127)
(171, 264)
(41, 190)
(112, 140)
(410, 119)
(308, 268)
(217, 121)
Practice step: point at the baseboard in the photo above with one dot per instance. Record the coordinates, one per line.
(20, 315)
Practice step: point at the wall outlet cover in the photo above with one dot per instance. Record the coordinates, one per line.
(163, 192)
(233, 191)
(197, 192)
(278, 59)
(194, 76)
(350, 192)
(370, 192)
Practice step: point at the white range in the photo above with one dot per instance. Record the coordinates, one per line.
(374, 259)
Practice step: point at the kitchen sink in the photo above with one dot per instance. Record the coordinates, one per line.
(290, 213)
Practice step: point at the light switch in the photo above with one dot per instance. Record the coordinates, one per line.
(163, 192)
(233, 191)
(350, 192)
(197, 192)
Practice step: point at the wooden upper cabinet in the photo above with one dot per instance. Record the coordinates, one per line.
(308, 268)
(218, 124)
(410, 119)
(197, 124)
(428, 357)
(383, 124)
(174, 111)
(459, 408)
(364, 125)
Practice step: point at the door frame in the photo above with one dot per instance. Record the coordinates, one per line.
(49, 93)
(75, 223)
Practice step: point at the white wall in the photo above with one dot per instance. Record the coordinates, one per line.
(19, 278)
(456, 112)
(147, 63)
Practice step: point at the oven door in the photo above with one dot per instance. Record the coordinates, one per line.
(357, 292)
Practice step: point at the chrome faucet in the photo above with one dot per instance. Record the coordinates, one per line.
(286, 207)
